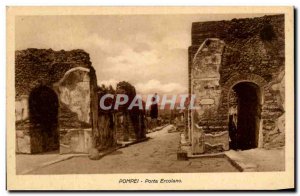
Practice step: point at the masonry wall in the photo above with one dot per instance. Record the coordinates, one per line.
(106, 135)
(224, 53)
(129, 123)
(69, 77)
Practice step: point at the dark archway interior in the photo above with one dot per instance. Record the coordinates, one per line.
(43, 114)
(245, 133)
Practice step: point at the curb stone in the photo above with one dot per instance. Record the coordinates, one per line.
(240, 162)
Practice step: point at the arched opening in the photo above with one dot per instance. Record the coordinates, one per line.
(244, 116)
(43, 115)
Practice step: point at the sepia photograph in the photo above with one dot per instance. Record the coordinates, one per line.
(150, 97)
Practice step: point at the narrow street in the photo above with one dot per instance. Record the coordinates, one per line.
(157, 155)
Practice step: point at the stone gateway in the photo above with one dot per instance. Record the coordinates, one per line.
(236, 70)
(56, 101)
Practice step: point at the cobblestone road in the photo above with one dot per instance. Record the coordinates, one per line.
(157, 155)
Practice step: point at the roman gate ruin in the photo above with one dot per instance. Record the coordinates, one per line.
(236, 70)
(56, 101)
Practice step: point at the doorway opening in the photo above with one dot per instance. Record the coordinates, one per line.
(244, 116)
(43, 116)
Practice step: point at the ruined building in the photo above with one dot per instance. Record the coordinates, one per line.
(129, 123)
(106, 137)
(57, 105)
(56, 101)
(236, 70)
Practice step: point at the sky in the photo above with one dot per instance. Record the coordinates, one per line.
(149, 51)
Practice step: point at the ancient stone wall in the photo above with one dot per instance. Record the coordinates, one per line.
(69, 76)
(106, 136)
(129, 123)
(224, 53)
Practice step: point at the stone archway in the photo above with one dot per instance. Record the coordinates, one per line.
(244, 98)
(245, 116)
(43, 116)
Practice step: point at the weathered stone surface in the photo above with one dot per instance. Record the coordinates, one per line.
(205, 84)
(207, 101)
(213, 148)
(71, 80)
(225, 53)
(94, 154)
(44, 67)
(198, 140)
(22, 112)
(74, 92)
(217, 140)
(106, 132)
(129, 123)
(276, 135)
(22, 142)
(75, 141)
(207, 60)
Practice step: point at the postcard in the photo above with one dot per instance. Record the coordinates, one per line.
(150, 98)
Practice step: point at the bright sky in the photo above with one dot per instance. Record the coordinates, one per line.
(149, 51)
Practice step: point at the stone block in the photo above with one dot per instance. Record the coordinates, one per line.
(94, 154)
(76, 141)
(23, 143)
(207, 101)
(217, 139)
(197, 142)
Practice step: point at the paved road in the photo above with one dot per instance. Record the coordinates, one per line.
(157, 155)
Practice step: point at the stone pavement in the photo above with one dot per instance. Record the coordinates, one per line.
(26, 163)
(258, 159)
(157, 155)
